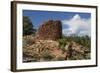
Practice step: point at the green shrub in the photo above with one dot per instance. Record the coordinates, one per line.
(47, 55)
(62, 43)
(28, 41)
(28, 27)
(82, 40)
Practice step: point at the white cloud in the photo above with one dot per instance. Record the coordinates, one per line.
(77, 25)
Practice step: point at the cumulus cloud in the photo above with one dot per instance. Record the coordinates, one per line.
(77, 25)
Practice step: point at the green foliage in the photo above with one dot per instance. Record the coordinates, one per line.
(62, 43)
(87, 56)
(82, 40)
(79, 56)
(47, 55)
(27, 41)
(27, 26)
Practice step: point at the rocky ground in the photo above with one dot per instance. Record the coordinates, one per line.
(50, 50)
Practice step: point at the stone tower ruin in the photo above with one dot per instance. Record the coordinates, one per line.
(50, 30)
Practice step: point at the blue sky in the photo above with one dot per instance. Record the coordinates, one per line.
(68, 19)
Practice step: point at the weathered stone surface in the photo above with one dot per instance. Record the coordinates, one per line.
(43, 50)
(50, 30)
